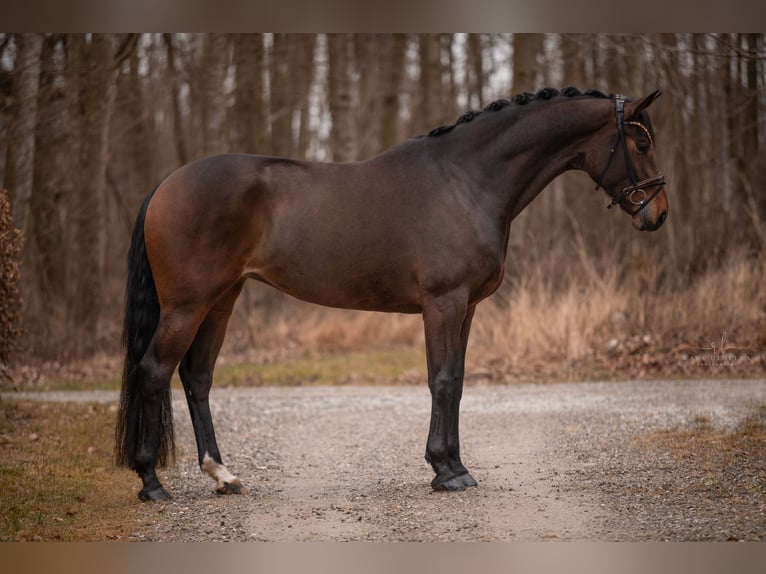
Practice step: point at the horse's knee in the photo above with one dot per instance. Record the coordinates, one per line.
(444, 387)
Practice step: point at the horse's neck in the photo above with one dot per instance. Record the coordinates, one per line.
(524, 152)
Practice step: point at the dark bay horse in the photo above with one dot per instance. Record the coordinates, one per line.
(420, 228)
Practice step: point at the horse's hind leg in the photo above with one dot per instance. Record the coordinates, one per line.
(196, 371)
(174, 333)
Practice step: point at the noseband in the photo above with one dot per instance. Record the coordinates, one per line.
(636, 191)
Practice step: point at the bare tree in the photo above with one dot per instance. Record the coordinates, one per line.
(392, 74)
(250, 114)
(91, 73)
(175, 98)
(430, 109)
(46, 298)
(281, 104)
(339, 97)
(215, 61)
(303, 72)
(25, 89)
(526, 48)
(475, 77)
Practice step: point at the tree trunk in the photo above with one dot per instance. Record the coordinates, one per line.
(755, 161)
(139, 138)
(339, 95)
(750, 92)
(25, 89)
(91, 64)
(450, 99)
(393, 72)
(175, 101)
(573, 57)
(47, 300)
(368, 66)
(613, 63)
(430, 113)
(303, 72)
(279, 88)
(526, 48)
(475, 71)
(251, 122)
(215, 60)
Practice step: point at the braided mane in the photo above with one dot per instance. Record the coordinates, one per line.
(520, 100)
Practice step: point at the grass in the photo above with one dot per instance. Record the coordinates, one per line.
(720, 464)
(386, 366)
(699, 481)
(57, 479)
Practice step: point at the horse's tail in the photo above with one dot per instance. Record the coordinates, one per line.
(142, 314)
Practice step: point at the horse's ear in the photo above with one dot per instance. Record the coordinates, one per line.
(638, 106)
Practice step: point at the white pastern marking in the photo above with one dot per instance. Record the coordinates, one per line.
(218, 472)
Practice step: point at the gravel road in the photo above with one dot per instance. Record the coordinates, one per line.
(553, 461)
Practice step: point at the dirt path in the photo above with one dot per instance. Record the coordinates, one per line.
(345, 463)
(559, 462)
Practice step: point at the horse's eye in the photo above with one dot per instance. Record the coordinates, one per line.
(643, 146)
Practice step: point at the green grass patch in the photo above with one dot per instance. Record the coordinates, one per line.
(57, 478)
(391, 365)
(388, 366)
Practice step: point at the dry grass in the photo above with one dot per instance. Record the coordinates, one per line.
(723, 472)
(697, 482)
(711, 449)
(57, 478)
(634, 324)
(540, 322)
(322, 329)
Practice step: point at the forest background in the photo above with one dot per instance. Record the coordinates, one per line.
(90, 123)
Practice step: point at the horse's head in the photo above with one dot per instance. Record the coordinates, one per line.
(622, 162)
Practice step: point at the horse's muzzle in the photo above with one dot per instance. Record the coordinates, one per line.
(643, 222)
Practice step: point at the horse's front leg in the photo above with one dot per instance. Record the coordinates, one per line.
(447, 322)
(453, 428)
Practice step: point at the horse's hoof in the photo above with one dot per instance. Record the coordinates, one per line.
(466, 480)
(233, 487)
(453, 484)
(157, 493)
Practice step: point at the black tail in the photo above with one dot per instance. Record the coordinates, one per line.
(142, 314)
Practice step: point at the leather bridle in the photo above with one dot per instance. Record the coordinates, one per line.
(635, 193)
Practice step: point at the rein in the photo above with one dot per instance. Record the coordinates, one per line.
(636, 191)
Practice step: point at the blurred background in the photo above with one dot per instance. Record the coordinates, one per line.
(90, 123)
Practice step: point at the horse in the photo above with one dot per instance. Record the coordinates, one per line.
(419, 228)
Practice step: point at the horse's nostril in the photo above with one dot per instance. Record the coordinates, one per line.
(661, 218)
